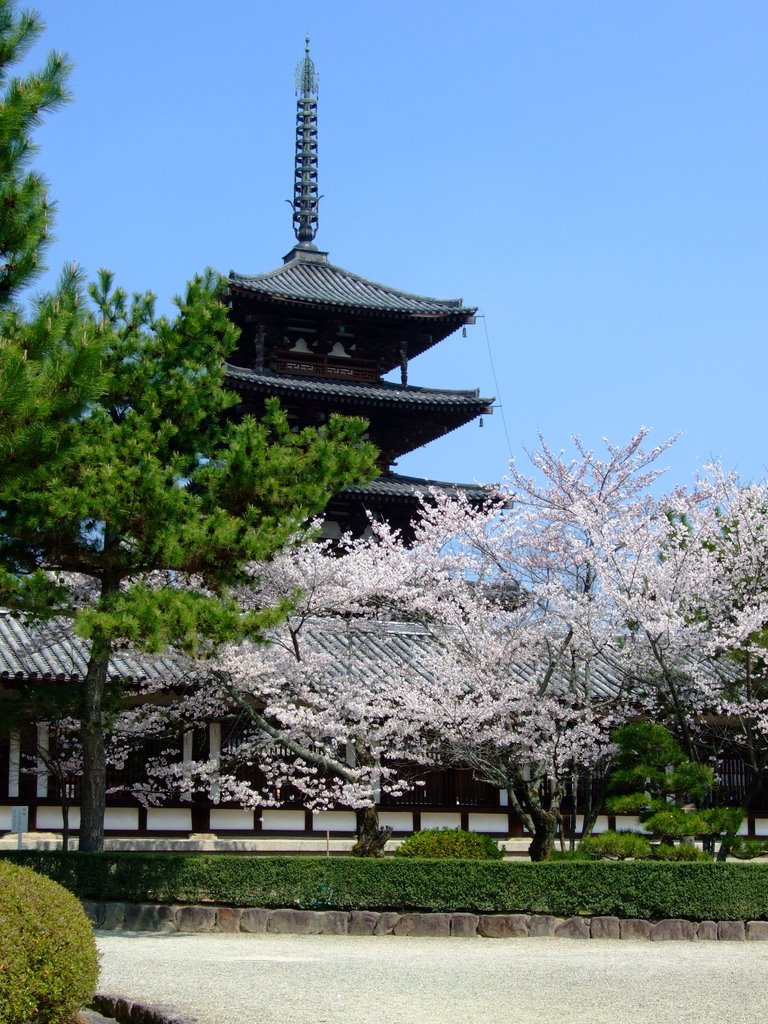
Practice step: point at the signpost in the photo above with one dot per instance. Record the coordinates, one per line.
(19, 821)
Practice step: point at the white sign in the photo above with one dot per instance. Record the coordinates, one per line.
(19, 819)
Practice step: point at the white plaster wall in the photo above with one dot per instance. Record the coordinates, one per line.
(289, 821)
(400, 821)
(438, 819)
(51, 817)
(601, 824)
(743, 828)
(169, 819)
(629, 823)
(488, 823)
(761, 826)
(5, 818)
(334, 821)
(231, 817)
(126, 819)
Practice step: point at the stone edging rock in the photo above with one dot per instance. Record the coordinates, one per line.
(127, 1011)
(152, 917)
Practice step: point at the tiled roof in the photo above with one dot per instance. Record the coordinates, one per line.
(49, 650)
(308, 276)
(388, 650)
(382, 650)
(381, 393)
(395, 486)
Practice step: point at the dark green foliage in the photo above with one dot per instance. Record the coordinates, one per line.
(650, 761)
(25, 211)
(645, 889)
(50, 370)
(655, 780)
(159, 498)
(450, 842)
(676, 823)
(49, 362)
(681, 852)
(616, 846)
(748, 849)
(48, 960)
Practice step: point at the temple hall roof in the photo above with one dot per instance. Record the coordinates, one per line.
(396, 487)
(308, 277)
(50, 650)
(382, 393)
(382, 650)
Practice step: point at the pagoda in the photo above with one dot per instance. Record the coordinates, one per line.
(322, 339)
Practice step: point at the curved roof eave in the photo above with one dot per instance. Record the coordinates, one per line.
(381, 393)
(308, 278)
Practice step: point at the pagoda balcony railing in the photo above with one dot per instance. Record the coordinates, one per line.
(299, 364)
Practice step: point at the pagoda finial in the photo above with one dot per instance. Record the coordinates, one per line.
(305, 194)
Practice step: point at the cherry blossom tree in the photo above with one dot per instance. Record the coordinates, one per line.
(697, 602)
(519, 672)
(325, 703)
(510, 639)
(531, 679)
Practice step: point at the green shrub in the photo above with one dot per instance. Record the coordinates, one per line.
(649, 889)
(569, 855)
(48, 960)
(676, 822)
(450, 842)
(682, 852)
(748, 849)
(616, 846)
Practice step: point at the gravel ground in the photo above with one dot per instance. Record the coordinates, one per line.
(318, 979)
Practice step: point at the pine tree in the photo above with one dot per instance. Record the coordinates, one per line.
(140, 532)
(25, 211)
(49, 368)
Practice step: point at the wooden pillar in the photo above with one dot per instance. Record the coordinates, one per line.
(43, 747)
(214, 753)
(14, 763)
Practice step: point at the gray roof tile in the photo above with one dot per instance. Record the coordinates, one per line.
(308, 276)
(49, 650)
(381, 393)
(394, 485)
(382, 650)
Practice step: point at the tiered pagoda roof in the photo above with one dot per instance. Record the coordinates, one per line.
(308, 280)
(321, 339)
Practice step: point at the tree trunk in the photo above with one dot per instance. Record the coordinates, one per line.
(596, 788)
(371, 837)
(92, 732)
(543, 842)
(537, 804)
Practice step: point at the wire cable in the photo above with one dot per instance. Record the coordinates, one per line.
(496, 387)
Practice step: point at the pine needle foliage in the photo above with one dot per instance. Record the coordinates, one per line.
(160, 497)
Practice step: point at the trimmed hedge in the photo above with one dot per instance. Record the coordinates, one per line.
(645, 889)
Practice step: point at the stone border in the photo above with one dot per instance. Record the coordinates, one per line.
(153, 917)
(127, 1011)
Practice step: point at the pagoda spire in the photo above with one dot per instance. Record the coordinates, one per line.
(305, 195)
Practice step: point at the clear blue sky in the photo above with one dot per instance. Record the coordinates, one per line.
(593, 176)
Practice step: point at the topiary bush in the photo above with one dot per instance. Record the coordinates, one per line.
(48, 960)
(450, 842)
(683, 852)
(616, 846)
(748, 849)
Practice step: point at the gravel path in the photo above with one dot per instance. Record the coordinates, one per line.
(318, 979)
